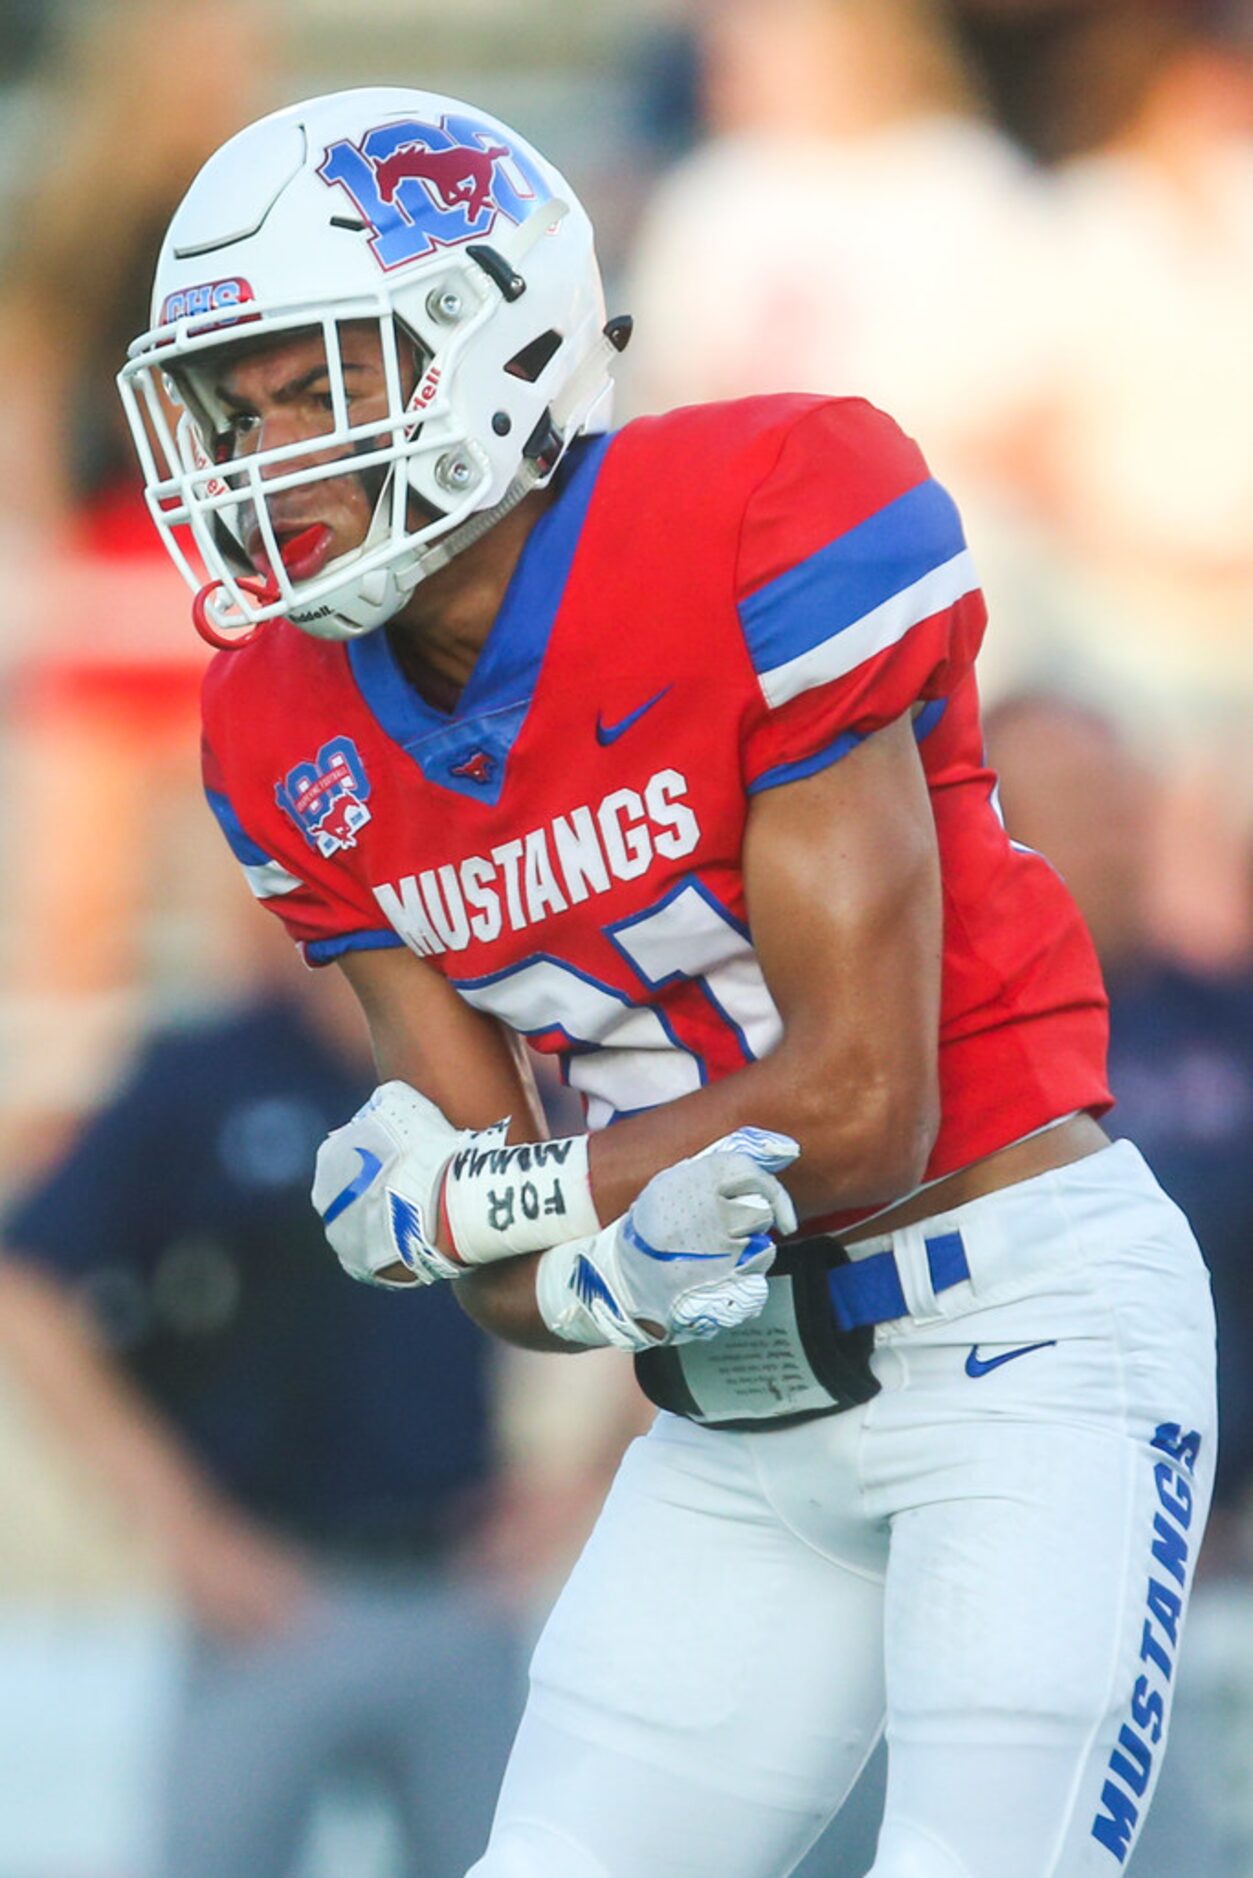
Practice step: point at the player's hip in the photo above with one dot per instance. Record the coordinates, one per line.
(1092, 1250)
(1088, 1259)
(1067, 1215)
(1071, 1307)
(1067, 1139)
(1083, 1317)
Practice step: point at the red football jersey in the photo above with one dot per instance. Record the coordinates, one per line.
(717, 602)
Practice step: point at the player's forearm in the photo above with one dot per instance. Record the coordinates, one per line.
(501, 1299)
(842, 891)
(865, 1130)
(687, 1259)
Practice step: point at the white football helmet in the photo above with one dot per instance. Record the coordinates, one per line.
(475, 260)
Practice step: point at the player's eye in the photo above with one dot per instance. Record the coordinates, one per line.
(240, 424)
(323, 401)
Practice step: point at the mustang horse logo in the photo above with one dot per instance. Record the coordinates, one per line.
(422, 186)
(326, 798)
(477, 767)
(459, 177)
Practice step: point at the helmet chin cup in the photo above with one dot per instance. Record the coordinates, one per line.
(213, 634)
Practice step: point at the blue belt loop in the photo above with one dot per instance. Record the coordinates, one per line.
(869, 1291)
(946, 1259)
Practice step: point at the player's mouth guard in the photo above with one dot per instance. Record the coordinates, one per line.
(303, 556)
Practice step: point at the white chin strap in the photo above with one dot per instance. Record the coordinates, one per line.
(582, 382)
(380, 595)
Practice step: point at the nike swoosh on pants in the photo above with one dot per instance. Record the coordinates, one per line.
(977, 1365)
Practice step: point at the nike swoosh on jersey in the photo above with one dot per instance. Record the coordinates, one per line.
(977, 1365)
(610, 733)
(370, 1166)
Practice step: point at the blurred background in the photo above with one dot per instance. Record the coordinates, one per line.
(255, 1620)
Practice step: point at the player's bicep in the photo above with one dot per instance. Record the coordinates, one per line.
(842, 881)
(424, 1034)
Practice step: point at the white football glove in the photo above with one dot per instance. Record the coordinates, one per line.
(688, 1259)
(377, 1186)
(385, 1178)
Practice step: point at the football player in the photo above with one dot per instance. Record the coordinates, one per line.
(659, 749)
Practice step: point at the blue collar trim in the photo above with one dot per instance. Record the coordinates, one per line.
(468, 749)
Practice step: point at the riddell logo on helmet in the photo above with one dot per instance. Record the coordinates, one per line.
(426, 390)
(427, 186)
(211, 296)
(214, 486)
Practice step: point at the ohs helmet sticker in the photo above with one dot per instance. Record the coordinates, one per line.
(210, 296)
(427, 186)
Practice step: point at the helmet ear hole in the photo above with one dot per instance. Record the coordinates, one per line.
(534, 356)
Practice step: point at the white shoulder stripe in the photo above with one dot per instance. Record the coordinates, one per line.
(268, 880)
(874, 632)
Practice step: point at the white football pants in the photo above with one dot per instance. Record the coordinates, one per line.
(994, 1556)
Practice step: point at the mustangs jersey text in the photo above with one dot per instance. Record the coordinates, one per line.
(717, 602)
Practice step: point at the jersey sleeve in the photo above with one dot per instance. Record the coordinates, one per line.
(321, 913)
(856, 593)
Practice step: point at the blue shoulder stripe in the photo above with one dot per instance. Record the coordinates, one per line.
(241, 844)
(841, 583)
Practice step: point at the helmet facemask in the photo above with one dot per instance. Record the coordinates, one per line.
(206, 495)
(257, 534)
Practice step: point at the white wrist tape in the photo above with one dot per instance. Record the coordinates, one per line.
(500, 1201)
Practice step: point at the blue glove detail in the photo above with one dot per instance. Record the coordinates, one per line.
(688, 1259)
(371, 1168)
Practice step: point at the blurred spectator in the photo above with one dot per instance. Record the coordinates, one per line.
(1060, 74)
(1144, 467)
(1181, 1040)
(24, 25)
(1016, 47)
(1064, 76)
(314, 1458)
(853, 226)
(99, 711)
(1071, 349)
(1181, 1069)
(1137, 470)
(141, 93)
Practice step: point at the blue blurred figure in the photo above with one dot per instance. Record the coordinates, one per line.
(312, 1455)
